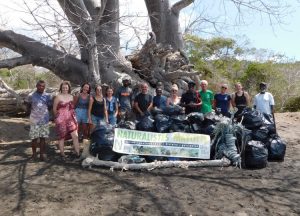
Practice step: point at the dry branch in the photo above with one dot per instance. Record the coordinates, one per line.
(94, 161)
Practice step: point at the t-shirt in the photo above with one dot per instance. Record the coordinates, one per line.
(207, 98)
(263, 102)
(160, 101)
(144, 101)
(124, 95)
(188, 97)
(222, 102)
(111, 105)
(39, 114)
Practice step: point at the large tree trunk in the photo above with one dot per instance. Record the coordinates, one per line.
(165, 21)
(62, 64)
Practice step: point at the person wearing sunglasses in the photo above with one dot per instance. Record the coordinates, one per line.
(222, 101)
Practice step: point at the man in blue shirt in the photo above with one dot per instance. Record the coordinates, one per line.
(159, 101)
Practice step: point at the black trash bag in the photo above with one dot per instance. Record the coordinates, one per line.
(162, 123)
(102, 140)
(268, 121)
(252, 119)
(179, 124)
(208, 130)
(145, 124)
(155, 111)
(195, 117)
(173, 110)
(255, 155)
(276, 149)
(261, 134)
(127, 125)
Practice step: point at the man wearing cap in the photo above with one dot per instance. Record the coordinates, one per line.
(191, 99)
(207, 97)
(264, 101)
(125, 96)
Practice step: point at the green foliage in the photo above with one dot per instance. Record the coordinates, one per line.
(4, 73)
(293, 105)
(25, 77)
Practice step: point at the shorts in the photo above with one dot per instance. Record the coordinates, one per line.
(81, 115)
(98, 120)
(39, 131)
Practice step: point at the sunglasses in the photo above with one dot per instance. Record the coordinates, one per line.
(223, 87)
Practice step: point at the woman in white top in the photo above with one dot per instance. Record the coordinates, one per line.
(174, 99)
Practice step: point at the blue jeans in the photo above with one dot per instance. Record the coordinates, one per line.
(112, 119)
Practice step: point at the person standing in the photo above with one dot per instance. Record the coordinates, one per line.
(207, 97)
(159, 100)
(143, 102)
(124, 95)
(174, 99)
(81, 102)
(222, 101)
(191, 99)
(97, 112)
(39, 103)
(65, 118)
(240, 99)
(112, 106)
(264, 101)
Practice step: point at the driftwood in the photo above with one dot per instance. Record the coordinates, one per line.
(94, 161)
(157, 62)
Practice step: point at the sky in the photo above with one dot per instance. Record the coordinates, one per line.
(282, 39)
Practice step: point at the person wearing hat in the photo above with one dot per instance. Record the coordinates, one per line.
(124, 95)
(191, 100)
(207, 97)
(264, 101)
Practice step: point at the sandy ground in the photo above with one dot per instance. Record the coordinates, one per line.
(56, 188)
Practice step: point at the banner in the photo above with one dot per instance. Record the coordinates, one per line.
(177, 144)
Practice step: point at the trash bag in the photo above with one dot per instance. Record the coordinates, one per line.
(173, 110)
(162, 123)
(102, 139)
(252, 119)
(255, 155)
(179, 124)
(127, 125)
(276, 149)
(261, 134)
(145, 124)
(195, 117)
(268, 122)
(130, 159)
(155, 111)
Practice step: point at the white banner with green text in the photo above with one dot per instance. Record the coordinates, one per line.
(177, 144)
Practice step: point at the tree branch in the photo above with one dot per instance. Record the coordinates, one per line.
(177, 74)
(61, 64)
(178, 6)
(14, 62)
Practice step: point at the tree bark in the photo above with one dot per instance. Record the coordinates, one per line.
(94, 161)
(63, 65)
(165, 21)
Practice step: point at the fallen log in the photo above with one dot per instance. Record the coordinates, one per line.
(94, 161)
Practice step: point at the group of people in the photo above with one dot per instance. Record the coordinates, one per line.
(75, 116)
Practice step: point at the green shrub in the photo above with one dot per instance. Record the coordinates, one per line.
(293, 105)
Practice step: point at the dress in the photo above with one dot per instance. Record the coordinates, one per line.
(65, 120)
